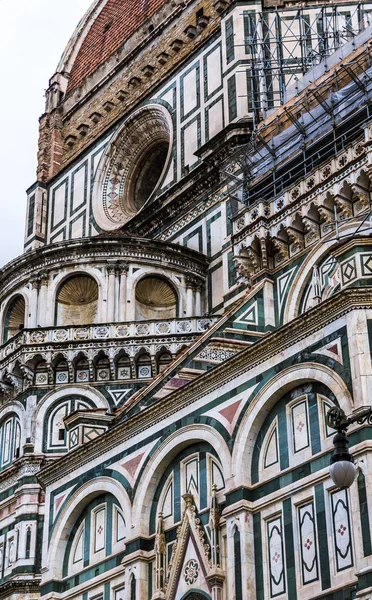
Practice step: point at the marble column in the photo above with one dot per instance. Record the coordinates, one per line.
(198, 290)
(32, 317)
(123, 292)
(190, 296)
(42, 303)
(111, 293)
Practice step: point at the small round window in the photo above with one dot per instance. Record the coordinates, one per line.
(133, 167)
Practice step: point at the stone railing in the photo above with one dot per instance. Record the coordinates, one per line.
(106, 332)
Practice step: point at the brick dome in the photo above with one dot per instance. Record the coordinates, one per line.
(115, 23)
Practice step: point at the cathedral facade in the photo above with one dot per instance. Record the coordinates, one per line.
(193, 298)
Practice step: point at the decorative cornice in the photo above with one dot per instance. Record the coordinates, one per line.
(275, 343)
(22, 586)
(27, 465)
(101, 248)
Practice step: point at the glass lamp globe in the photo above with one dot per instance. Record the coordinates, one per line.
(342, 473)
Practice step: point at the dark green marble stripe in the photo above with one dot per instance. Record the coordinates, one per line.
(289, 549)
(364, 516)
(325, 575)
(260, 594)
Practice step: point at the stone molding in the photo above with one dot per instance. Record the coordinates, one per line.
(24, 587)
(24, 467)
(100, 249)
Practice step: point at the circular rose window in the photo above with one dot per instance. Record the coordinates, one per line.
(133, 167)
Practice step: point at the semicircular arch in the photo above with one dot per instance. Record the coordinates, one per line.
(315, 256)
(269, 395)
(161, 458)
(54, 554)
(54, 396)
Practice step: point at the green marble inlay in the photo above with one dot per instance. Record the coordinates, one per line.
(260, 594)
(231, 98)
(229, 32)
(321, 520)
(364, 516)
(289, 549)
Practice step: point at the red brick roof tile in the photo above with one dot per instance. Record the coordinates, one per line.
(117, 21)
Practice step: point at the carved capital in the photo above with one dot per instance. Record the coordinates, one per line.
(282, 250)
(345, 206)
(35, 282)
(44, 277)
(122, 268)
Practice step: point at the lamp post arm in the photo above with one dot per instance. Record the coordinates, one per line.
(337, 419)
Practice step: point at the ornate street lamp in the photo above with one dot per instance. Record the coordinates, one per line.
(342, 468)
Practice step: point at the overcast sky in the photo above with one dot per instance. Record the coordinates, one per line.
(33, 35)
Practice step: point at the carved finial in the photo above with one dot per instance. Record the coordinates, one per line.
(189, 500)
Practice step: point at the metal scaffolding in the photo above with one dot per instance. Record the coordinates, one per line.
(312, 127)
(282, 45)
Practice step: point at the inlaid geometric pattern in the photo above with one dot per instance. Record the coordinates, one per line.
(276, 557)
(300, 430)
(228, 412)
(308, 543)
(326, 406)
(192, 476)
(99, 528)
(167, 506)
(132, 465)
(332, 350)
(91, 433)
(217, 476)
(79, 548)
(250, 315)
(74, 438)
(366, 264)
(271, 456)
(282, 286)
(119, 396)
(348, 271)
(59, 500)
(342, 530)
(82, 375)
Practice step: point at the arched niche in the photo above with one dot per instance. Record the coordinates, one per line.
(77, 301)
(14, 320)
(268, 396)
(163, 456)
(155, 299)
